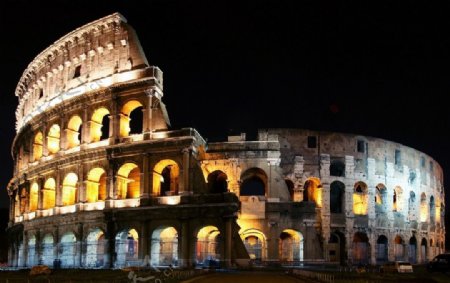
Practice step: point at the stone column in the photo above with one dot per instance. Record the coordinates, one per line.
(228, 241)
(185, 258)
(184, 187)
(114, 121)
(58, 191)
(79, 247)
(62, 133)
(145, 179)
(148, 114)
(143, 241)
(25, 249)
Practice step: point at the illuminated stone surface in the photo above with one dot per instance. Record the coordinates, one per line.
(93, 188)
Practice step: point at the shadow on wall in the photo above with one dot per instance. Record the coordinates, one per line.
(3, 238)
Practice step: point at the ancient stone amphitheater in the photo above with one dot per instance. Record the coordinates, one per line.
(100, 180)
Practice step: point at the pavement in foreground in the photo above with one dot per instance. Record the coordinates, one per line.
(246, 277)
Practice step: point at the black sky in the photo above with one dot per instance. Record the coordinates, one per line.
(378, 69)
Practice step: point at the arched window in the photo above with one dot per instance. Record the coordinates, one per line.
(360, 199)
(96, 185)
(130, 112)
(126, 247)
(34, 192)
(217, 182)
(337, 193)
(412, 251)
(69, 190)
(95, 248)
(99, 126)
(382, 249)
(48, 194)
(397, 199)
(128, 181)
(290, 245)
(399, 248)
(38, 146)
(337, 168)
(208, 247)
(166, 177)
(255, 243)
(74, 132)
(312, 191)
(253, 182)
(412, 205)
(53, 137)
(360, 248)
(432, 210)
(380, 199)
(423, 208)
(164, 247)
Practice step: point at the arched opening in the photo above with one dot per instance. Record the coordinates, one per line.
(68, 250)
(423, 208)
(69, 189)
(96, 185)
(337, 193)
(208, 248)
(360, 199)
(47, 250)
(53, 137)
(255, 244)
(99, 126)
(336, 247)
(73, 132)
(128, 181)
(312, 191)
(23, 200)
(164, 249)
(32, 260)
(412, 205)
(48, 194)
(95, 249)
(432, 211)
(253, 182)
(38, 146)
(126, 247)
(166, 175)
(399, 248)
(360, 248)
(34, 193)
(423, 250)
(412, 251)
(397, 199)
(290, 187)
(382, 249)
(290, 246)
(380, 199)
(337, 168)
(131, 118)
(217, 182)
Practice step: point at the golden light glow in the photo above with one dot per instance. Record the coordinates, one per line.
(423, 208)
(398, 196)
(133, 233)
(38, 146)
(72, 134)
(34, 192)
(53, 137)
(290, 245)
(69, 189)
(125, 116)
(438, 210)
(128, 181)
(169, 234)
(313, 191)
(252, 238)
(96, 185)
(161, 175)
(96, 124)
(206, 243)
(48, 200)
(360, 199)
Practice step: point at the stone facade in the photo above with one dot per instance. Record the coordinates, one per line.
(100, 181)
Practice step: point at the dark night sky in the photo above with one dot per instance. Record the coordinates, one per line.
(372, 69)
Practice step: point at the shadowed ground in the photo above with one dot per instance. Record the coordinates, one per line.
(245, 277)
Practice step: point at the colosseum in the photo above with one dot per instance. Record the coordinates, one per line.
(100, 180)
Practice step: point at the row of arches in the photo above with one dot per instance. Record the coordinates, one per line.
(97, 128)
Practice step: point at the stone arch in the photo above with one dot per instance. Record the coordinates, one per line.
(337, 197)
(53, 139)
(68, 249)
(382, 249)
(397, 201)
(412, 205)
(32, 260)
(95, 248)
(360, 198)
(34, 197)
(38, 146)
(69, 189)
(126, 246)
(424, 250)
(399, 248)
(432, 211)
(337, 168)
(217, 182)
(290, 245)
(73, 131)
(336, 247)
(380, 199)
(255, 243)
(99, 125)
(96, 185)
(312, 191)
(208, 246)
(47, 248)
(164, 246)
(412, 250)
(49, 194)
(128, 181)
(166, 178)
(423, 208)
(126, 117)
(361, 249)
(253, 182)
